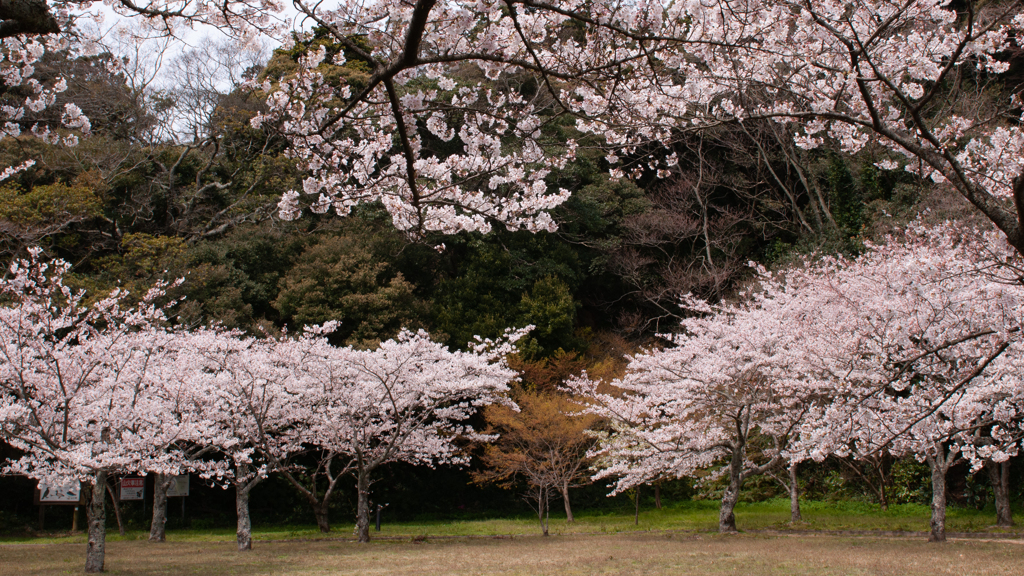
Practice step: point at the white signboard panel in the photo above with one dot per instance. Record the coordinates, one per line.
(179, 487)
(132, 488)
(64, 494)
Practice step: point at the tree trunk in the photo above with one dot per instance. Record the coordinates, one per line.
(731, 495)
(884, 480)
(565, 498)
(938, 464)
(636, 506)
(999, 475)
(363, 507)
(657, 495)
(94, 550)
(321, 510)
(157, 528)
(323, 521)
(244, 531)
(117, 509)
(794, 494)
(883, 499)
(542, 501)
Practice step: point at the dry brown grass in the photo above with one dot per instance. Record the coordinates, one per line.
(640, 554)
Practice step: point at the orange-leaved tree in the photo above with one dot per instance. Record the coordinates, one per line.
(543, 445)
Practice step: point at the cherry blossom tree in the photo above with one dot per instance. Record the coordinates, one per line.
(991, 445)
(246, 404)
(406, 401)
(916, 77)
(75, 386)
(735, 387)
(918, 80)
(26, 97)
(909, 348)
(915, 342)
(175, 389)
(922, 336)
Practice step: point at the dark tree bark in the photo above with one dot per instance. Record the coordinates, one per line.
(363, 507)
(117, 509)
(320, 504)
(542, 507)
(323, 520)
(565, 498)
(636, 505)
(95, 508)
(883, 498)
(26, 17)
(727, 514)
(938, 520)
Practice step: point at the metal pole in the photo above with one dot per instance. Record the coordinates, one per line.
(378, 517)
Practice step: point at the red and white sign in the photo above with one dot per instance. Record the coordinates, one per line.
(132, 488)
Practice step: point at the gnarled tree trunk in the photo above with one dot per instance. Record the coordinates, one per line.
(731, 494)
(323, 520)
(363, 507)
(999, 475)
(157, 528)
(939, 463)
(320, 505)
(97, 544)
(243, 533)
(883, 498)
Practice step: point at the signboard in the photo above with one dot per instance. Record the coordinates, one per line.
(69, 493)
(132, 488)
(179, 487)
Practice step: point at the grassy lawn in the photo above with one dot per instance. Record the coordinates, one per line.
(695, 516)
(566, 555)
(676, 540)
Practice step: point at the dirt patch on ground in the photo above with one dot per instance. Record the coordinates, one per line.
(640, 554)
